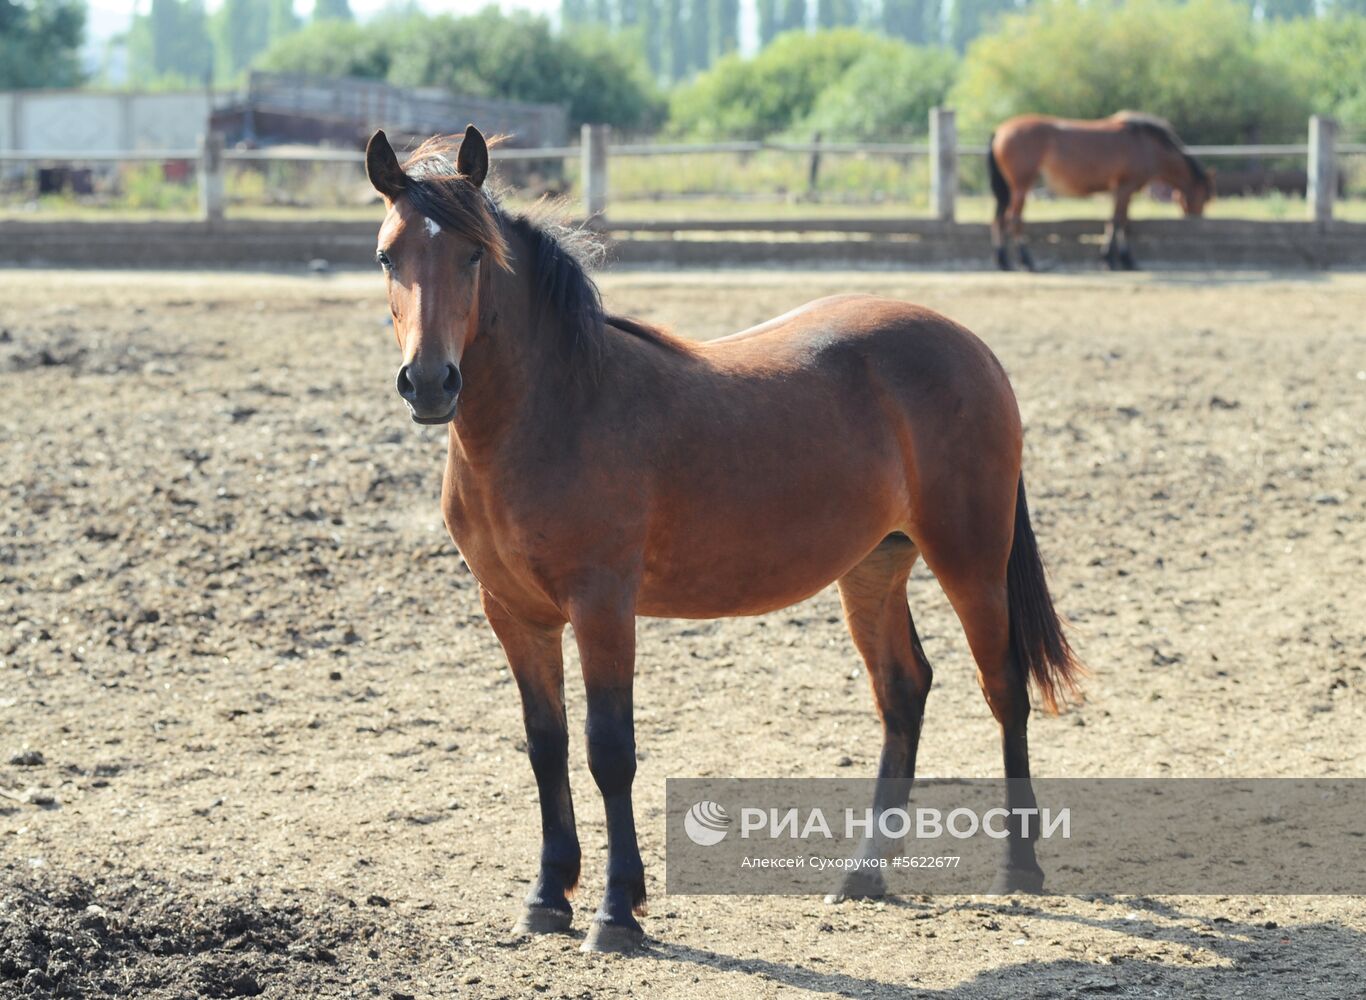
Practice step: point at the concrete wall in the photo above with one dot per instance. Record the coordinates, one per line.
(40, 120)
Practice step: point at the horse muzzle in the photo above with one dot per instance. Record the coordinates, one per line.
(431, 392)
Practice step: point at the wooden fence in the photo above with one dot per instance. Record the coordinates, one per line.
(596, 152)
(1317, 242)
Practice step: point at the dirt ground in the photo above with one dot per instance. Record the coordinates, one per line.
(255, 737)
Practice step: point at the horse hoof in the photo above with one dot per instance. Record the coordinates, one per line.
(1009, 881)
(859, 886)
(543, 920)
(619, 939)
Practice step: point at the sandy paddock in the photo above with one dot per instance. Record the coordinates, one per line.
(255, 736)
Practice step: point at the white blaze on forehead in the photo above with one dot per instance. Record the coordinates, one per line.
(431, 227)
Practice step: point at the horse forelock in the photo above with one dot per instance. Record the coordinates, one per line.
(438, 191)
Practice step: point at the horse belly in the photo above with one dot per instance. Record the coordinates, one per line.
(729, 561)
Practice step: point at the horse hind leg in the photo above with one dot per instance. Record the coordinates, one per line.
(874, 597)
(999, 238)
(976, 586)
(1015, 220)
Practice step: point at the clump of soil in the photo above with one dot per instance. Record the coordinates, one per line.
(67, 937)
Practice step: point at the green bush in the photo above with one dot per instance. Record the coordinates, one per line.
(908, 80)
(1196, 64)
(334, 48)
(145, 187)
(1323, 60)
(771, 93)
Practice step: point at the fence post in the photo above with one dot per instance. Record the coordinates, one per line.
(813, 172)
(1323, 168)
(593, 149)
(943, 163)
(211, 187)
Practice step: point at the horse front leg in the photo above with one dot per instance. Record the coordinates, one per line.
(605, 630)
(1107, 250)
(536, 656)
(1117, 252)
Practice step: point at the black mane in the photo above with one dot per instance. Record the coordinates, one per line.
(561, 258)
(1160, 130)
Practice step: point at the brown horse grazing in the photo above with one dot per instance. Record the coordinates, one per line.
(600, 469)
(1121, 154)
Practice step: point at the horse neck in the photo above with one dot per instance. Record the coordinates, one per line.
(514, 370)
(1174, 169)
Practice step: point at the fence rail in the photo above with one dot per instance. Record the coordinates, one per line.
(595, 152)
(317, 155)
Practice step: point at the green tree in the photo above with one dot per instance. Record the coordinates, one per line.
(754, 98)
(332, 10)
(725, 22)
(1323, 62)
(970, 18)
(1284, 10)
(332, 48)
(698, 21)
(281, 19)
(1195, 64)
(915, 21)
(836, 13)
(574, 13)
(40, 43)
(170, 44)
(240, 30)
(910, 79)
(651, 30)
(243, 29)
(598, 75)
(767, 11)
(675, 40)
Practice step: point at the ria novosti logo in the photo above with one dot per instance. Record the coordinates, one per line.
(706, 824)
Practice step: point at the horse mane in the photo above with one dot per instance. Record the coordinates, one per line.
(1161, 130)
(562, 256)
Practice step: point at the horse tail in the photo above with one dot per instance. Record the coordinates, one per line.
(1038, 643)
(999, 186)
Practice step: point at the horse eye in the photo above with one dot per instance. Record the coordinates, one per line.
(476, 256)
(383, 260)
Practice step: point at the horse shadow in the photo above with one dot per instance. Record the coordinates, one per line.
(1319, 960)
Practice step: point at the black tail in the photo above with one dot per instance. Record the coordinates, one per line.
(1037, 639)
(999, 187)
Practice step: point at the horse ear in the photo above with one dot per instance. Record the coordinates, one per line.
(381, 166)
(473, 158)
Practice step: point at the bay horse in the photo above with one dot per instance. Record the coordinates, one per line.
(599, 469)
(1121, 154)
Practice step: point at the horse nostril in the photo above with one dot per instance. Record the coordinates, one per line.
(405, 386)
(452, 382)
